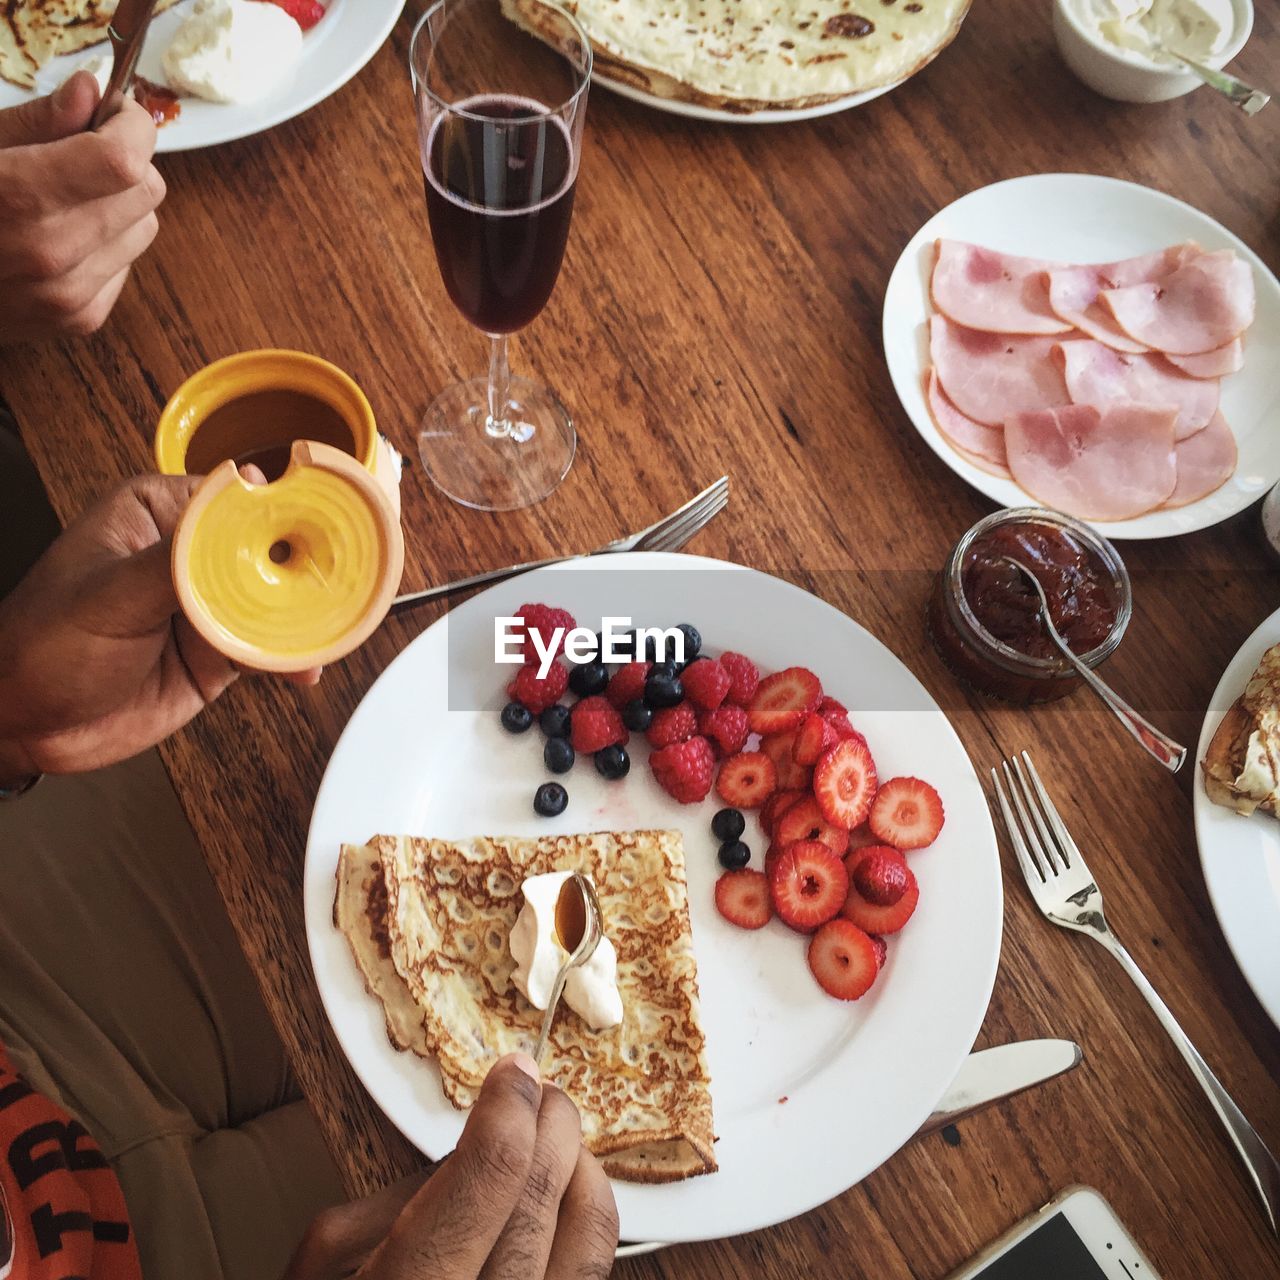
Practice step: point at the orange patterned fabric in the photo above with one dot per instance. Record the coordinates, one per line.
(62, 1214)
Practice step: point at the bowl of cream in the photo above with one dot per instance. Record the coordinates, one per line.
(1120, 48)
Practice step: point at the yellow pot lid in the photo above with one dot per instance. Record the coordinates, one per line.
(293, 574)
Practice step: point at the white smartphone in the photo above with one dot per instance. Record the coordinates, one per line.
(1076, 1236)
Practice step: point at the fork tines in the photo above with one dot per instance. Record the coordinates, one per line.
(675, 530)
(1039, 837)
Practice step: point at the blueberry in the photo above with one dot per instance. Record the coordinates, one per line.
(558, 755)
(588, 679)
(664, 691)
(636, 716)
(651, 653)
(550, 799)
(626, 644)
(554, 721)
(612, 763)
(734, 855)
(516, 717)
(728, 824)
(692, 641)
(664, 668)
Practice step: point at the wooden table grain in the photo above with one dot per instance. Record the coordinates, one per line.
(719, 311)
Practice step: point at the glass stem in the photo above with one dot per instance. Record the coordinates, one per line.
(498, 423)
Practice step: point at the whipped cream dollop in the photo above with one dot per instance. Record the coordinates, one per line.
(1195, 28)
(591, 990)
(232, 50)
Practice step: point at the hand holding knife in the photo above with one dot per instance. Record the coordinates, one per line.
(127, 32)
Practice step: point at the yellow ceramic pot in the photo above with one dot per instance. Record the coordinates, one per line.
(291, 574)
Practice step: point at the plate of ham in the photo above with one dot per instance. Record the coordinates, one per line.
(1092, 345)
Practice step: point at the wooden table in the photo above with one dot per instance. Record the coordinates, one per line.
(719, 311)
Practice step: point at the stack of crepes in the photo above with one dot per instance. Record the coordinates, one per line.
(429, 922)
(1095, 387)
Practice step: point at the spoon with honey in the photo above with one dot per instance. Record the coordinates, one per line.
(579, 928)
(1171, 754)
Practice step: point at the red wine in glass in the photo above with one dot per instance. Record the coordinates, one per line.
(499, 181)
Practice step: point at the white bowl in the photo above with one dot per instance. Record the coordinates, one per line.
(1128, 76)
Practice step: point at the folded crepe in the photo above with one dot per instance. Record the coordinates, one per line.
(428, 922)
(33, 31)
(1242, 763)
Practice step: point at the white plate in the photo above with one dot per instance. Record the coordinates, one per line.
(1240, 856)
(693, 111)
(859, 1079)
(1078, 217)
(333, 51)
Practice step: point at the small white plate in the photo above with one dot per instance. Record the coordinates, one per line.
(676, 107)
(810, 1094)
(1240, 856)
(333, 51)
(1079, 218)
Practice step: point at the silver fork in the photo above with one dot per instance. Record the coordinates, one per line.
(1067, 894)
(668, 534)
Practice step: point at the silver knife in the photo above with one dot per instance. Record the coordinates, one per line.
(986, 1076)
(991, 1075)
(127, 32)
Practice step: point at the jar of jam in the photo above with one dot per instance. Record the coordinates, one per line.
(984, 617)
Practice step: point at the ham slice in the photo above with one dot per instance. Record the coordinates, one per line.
(1109, 463)
(995, 292)
(1206, 461)
(1073, 291)
(1212, 364)
(988, 376)
(983, 446)
(1097, 375)
(1198, 307)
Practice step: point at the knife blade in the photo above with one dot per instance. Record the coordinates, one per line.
(127, 32)
(991, 1075)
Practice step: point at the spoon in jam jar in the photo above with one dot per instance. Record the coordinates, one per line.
(1171, 754)
(579, 928)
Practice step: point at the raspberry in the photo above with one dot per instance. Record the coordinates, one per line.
(726, 726)
(627, 684)
(672, 724)
(705, 683)
(684, 769)
(543, 619)
(594, 725)
(306, 13)
(536, 694)
(744, 678)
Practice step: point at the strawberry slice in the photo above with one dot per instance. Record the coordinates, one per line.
(791, 776)
(742, 897)
(783, 700)
(843, 959)
(844, 783)
(860, 837)
(776, 805)
(906, 814)
(829, 706)
(880, 875)
(882, 949)
(814, 738)
(804, 821)
(808, 884)
(867, 914)
(746, 780)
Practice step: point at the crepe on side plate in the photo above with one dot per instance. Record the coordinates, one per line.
(757, 55)
(33, 31)
(1242, 763)
(428, 922)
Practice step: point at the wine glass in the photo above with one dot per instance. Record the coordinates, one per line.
(500, 115)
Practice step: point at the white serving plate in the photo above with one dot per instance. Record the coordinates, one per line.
(1080, 217)
(334, 50)
(424, 753)
(1240, 856)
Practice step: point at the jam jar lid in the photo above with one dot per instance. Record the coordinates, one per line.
(1091, 539)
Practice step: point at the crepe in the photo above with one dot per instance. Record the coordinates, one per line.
(756, 55)
(428, 922)
(1242, 764)
(33, 31)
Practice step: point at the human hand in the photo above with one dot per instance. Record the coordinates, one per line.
(96, 661)
(76, 210)
(519, 1199)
